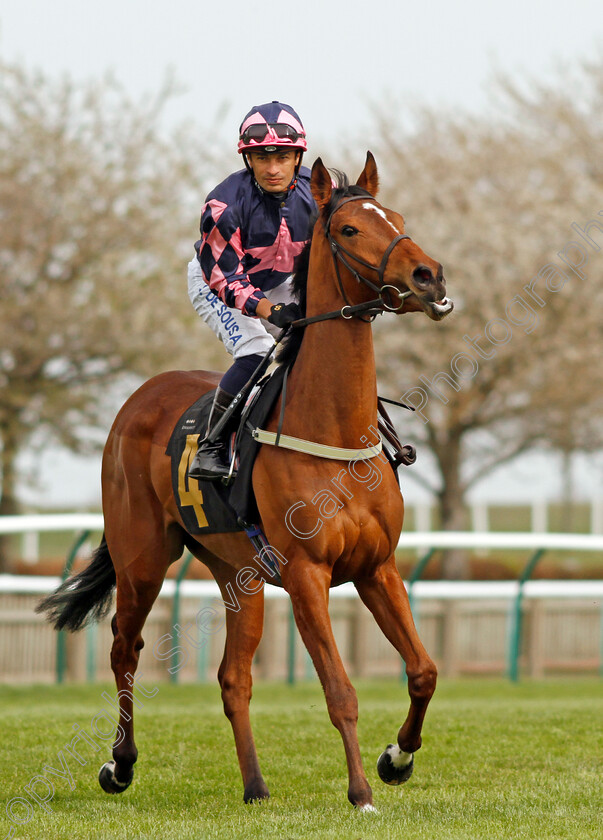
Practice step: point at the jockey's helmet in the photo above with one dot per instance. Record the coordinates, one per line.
(271, 126)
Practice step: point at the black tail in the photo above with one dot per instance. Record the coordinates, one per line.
(83, 597)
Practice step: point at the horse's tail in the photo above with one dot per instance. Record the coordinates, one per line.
(83, 597)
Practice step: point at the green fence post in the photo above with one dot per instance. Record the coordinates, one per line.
(310, 671)
(415, 575)
(515, 618)
(91, 635)
(291, 647)
(61, 666)
(176, 613)
(202, 651)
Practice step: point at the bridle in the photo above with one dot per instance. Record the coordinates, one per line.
(370, 308)
(338, 251)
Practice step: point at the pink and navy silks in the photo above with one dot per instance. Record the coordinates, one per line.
(250, 238)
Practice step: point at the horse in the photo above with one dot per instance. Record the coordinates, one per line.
(323, 537)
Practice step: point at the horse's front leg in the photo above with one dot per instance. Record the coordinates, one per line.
(308, 587)
(385, 596)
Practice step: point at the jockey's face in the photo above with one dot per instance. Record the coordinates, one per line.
(274, 171)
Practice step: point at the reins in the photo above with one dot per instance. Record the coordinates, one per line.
(372, 307)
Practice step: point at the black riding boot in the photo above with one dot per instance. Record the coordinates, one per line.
(207, 464)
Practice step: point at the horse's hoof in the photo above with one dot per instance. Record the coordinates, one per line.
(395, 766)
(255, 793)
(109, 781)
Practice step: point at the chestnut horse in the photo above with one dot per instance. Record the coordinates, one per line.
(332, 399)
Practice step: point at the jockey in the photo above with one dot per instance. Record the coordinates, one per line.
(253, 226)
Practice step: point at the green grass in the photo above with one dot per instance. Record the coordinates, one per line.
(498, 761)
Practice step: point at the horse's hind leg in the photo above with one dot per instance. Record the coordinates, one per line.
(138, 585)
(384, 594)
(244, 625)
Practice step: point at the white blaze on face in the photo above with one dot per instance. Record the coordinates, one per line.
(381, 213)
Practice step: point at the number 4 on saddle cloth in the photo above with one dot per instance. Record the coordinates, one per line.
(209, 507)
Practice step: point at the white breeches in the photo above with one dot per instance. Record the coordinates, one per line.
(241, 335)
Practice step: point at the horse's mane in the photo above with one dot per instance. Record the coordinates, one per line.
(290, 346)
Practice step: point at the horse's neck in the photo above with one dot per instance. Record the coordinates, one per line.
(332, 395)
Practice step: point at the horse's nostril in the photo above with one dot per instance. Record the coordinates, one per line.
(423, 275)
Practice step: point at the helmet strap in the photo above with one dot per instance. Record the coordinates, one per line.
(298, 167)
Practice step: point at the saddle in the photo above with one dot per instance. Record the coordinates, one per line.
(208, 507)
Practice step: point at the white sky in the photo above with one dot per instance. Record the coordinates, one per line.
(328, 58)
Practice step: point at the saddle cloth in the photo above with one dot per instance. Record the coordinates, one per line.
(209, 507)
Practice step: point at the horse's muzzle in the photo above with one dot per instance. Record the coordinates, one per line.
(438, 309)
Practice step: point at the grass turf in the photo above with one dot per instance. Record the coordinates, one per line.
(498, 761)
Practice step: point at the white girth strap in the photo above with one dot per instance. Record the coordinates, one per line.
(321, 450)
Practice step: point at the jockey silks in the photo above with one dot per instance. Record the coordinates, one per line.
(250, 238)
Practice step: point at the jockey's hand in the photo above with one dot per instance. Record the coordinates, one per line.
(282, 314)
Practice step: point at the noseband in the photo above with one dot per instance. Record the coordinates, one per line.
(339, 251)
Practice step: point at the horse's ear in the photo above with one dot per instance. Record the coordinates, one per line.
(369, 178)
(321, 183)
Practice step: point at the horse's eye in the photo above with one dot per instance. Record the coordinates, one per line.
(348, 230)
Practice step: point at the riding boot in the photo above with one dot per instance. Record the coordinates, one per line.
(208, 463)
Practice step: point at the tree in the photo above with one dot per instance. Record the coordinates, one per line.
(513, 207)
(98, 210)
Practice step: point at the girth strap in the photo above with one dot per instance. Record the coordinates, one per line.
(321, 450)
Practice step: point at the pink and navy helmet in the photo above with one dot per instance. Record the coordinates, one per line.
(271, 126)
